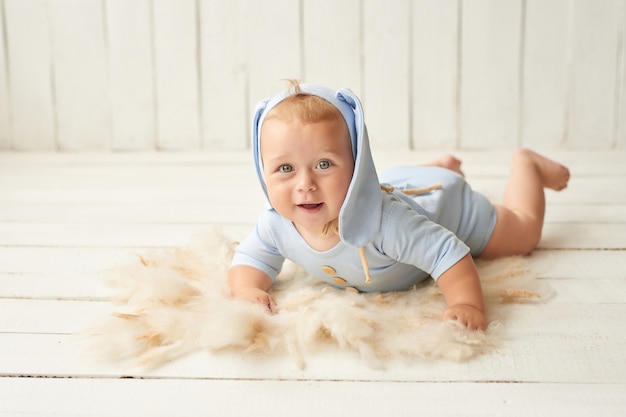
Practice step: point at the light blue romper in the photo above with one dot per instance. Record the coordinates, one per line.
(469, 214)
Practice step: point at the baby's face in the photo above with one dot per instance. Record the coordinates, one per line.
(307, 169)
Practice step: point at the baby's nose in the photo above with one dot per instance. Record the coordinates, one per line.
(306, 182)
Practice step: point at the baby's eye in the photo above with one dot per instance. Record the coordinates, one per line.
(324, 164)
(285, 168)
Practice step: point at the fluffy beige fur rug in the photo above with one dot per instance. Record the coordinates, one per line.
(173, 302)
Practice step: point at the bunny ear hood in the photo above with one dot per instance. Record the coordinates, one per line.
(360, 214)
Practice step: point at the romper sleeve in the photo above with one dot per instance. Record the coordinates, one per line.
(259, 249)
(411, 238)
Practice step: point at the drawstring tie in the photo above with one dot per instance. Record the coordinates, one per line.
(333, 226)
(412, 191)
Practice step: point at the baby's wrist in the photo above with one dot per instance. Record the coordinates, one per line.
(468, 305)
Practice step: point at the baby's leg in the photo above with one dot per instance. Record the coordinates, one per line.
(520, 217)
(447, 161)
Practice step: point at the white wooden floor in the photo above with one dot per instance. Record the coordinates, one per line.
(65, 217)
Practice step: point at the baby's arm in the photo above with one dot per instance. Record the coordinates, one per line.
(464, 296)
(251, 284)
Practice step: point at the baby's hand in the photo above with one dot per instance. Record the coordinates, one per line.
(468, 315)
(257, 295)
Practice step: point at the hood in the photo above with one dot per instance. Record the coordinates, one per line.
(360, 214)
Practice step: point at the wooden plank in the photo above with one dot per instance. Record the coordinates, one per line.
(580, 213)
(29, 56)
(332, 57)
(621, 81)
(584, 290)
(126, 235)
(5, 127)
(536, 343)
(73, 262)
(77, 191)
(62, 261)
(126, 177)
(176, 72)
(85, 185)
(595, 33)
(492, 163)
(146, 235)
(77, 273)
(241, 209)
(198, 207)
(19, 161)
(73, 184)
(80, 74)
(56, 285)
(435, 74)
(579, 190)
(276, 54)
(555, 236)
(583, 236)
(545, 73)
(594, 287)
(490, 74)
(144, 180)
(225, 107)
(129, 41)
(386, 70)
(52, 316)
(154, 397)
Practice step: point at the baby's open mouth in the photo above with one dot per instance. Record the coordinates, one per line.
(310, 206)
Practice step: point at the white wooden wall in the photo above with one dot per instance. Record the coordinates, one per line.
(185, 74)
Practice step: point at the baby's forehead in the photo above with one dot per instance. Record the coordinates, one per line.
(335, 130)
(307, 108)
(283, 137)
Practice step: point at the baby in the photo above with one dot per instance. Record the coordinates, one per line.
(332, 215)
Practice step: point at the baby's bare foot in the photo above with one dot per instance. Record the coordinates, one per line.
(554, 175)
(448, 162)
